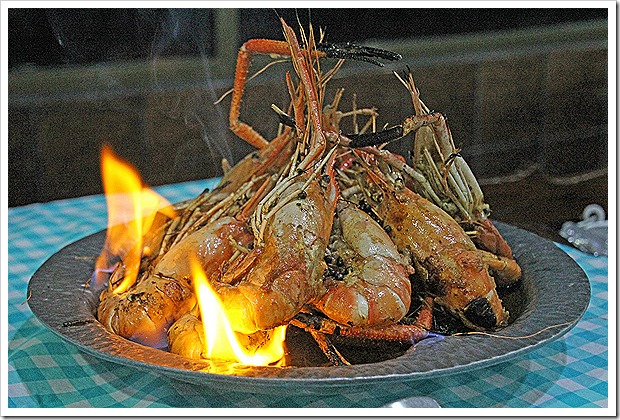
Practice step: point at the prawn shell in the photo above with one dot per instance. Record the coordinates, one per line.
(451, 267)
(376, 290)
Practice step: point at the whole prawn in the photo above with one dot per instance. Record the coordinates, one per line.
(444, 257)
(204, 228)
(436, 156)
(292, 225)
(441, 175)
(164, 292)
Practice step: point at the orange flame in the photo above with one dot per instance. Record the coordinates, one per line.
(131, 212)
(221, 342)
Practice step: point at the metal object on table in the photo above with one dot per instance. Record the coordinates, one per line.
(414, 402)
(589, 235)
(553, 295)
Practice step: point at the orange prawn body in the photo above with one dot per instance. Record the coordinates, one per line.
(281, 275)
(443, 256)
(375, 290)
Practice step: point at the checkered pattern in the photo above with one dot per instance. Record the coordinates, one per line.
(45, 371)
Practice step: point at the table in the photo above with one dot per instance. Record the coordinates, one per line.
(45, 371)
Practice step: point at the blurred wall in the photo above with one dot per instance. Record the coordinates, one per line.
(525, 95)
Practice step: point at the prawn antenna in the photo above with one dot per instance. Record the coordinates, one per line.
(350, 51)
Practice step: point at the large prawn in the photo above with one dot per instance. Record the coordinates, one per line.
(211, 226)
(266, 286)
(164, 291)
(440, 174)
(292, 225)
(450, 266)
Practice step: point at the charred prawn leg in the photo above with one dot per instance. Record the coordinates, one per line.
(323, 330)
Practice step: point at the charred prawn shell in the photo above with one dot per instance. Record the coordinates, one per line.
(351, 51)
(374, 139)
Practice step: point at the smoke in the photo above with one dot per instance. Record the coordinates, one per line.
(93, 36)
(191, 33)
(87, 36)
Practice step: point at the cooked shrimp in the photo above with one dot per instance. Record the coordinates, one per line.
(368, 281)
(144, 312)
(444, 257)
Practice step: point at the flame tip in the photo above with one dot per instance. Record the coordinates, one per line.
(132, 208)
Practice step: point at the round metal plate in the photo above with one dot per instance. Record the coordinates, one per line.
(555, 294)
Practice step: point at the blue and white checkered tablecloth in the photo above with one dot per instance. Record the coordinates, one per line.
(45, 371)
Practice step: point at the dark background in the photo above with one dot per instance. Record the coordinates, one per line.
(47, 37)
(530, 115)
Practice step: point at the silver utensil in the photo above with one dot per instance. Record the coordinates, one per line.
(414, 402)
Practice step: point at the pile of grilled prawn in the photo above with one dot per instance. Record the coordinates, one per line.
(323, 230)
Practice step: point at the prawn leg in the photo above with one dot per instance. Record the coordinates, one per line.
(244, 59)
(347, 51)
(397, 332)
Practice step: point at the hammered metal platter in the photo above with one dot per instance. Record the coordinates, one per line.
(553, 295)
